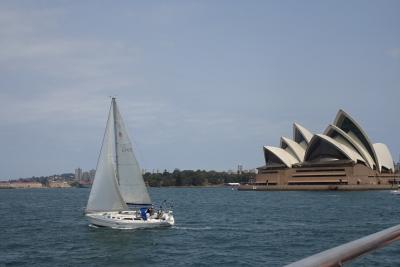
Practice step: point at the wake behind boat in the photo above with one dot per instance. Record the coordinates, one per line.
(118, 184)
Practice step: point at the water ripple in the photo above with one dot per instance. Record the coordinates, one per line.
(214, 226)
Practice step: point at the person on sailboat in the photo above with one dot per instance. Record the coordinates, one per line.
(150, 211)
(143, 213)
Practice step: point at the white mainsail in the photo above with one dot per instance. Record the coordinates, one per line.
(129, 176)
(105, 195)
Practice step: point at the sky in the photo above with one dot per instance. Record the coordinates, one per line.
(200, 84)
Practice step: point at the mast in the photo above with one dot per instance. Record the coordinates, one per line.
(114, 105)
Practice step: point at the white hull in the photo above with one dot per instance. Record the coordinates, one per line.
(395, 192)
(130, 220)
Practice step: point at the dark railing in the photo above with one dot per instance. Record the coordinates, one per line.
(339, 255)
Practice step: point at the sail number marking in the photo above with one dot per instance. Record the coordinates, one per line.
(127, 149)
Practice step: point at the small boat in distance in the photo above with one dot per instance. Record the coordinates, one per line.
(119, 197)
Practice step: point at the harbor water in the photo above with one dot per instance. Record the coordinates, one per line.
(214, 227)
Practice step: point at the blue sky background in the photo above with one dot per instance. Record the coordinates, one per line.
(200, 84)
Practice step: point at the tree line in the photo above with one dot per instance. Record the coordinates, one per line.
(195, 178)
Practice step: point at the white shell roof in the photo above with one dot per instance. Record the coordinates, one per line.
(304, 132)
(350, 139)
(384, 157)
(349, 153)
(283, 155)
(339, 117)
(360, 149)
(297, 149)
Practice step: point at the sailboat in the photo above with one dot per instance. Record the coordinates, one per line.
(119, 197)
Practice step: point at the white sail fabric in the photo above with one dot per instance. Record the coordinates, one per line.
(105, 195)
(131, 183)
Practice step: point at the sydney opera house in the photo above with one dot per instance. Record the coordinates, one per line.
(342, 157)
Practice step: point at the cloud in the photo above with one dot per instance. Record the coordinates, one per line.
(76, 74)
(186, 97)
(31, 41)
(58, 76)
(394, 53)
(18, 22)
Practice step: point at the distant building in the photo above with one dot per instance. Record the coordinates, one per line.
(253, 171)
(58, 184)
(78, 174)
(397, 167)
(92, 174)
(240, 169)
(342, 155)
(85, 176)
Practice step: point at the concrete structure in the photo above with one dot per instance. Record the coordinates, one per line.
(58, 184)
(343, 157)
(20, 185)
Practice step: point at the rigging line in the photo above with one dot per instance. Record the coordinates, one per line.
(114, 105)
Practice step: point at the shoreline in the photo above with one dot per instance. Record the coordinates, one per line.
(67, 187)
(315, 187)
(246, 187)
